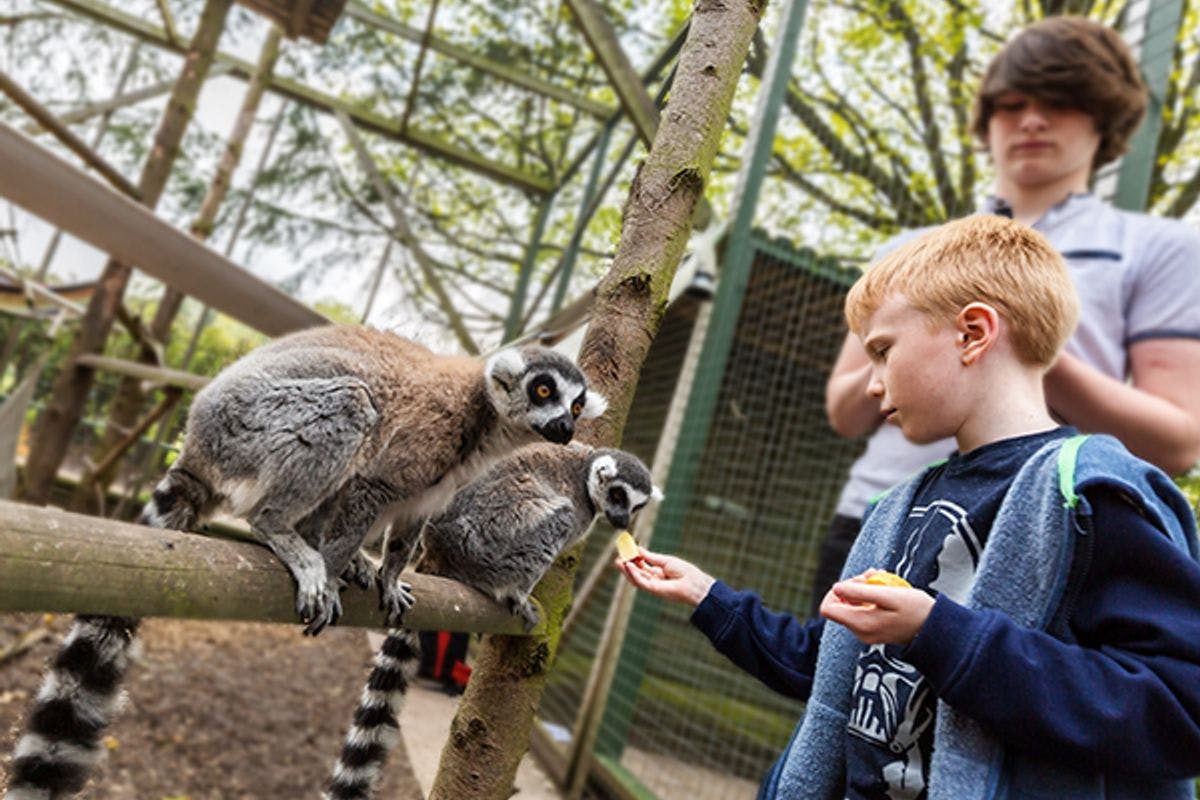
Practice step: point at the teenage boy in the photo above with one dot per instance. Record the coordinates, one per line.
(1051, 645)
(1059, 101)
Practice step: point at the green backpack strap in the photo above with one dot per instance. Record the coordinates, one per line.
(1067, 456)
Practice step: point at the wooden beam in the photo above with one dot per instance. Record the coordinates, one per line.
(357, 11)
(50, 188)
(52, 560)
(135, 369)
(89, 110)
(47, 120)
(295, 90)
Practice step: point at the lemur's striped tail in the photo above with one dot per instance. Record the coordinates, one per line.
(81, 693)
(78, 699)
(376, 725)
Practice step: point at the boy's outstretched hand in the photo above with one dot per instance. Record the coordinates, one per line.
(667, 577)
(877, 614)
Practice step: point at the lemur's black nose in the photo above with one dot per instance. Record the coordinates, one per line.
(618, 519)
(559, 431)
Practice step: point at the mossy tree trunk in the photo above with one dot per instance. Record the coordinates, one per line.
(491, 729)
(130, 397)
(57, 423)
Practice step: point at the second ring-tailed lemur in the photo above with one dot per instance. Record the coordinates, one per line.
(316, 439)
(500, 534)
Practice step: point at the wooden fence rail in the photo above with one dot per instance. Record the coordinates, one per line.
(52, 560)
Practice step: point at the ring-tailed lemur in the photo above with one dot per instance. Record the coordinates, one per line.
(500, 534)
(316, 439)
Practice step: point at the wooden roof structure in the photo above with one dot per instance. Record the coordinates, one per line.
(310, 19)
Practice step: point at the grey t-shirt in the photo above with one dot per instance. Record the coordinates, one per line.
(1138, 277)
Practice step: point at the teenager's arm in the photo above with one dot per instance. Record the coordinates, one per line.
(778, 649)
(1157, 417)
(851, 411)
(1126, 696)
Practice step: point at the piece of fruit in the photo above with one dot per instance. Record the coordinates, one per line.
(627, 548)
(881, 577)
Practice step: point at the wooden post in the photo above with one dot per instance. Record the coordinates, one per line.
(491, 729)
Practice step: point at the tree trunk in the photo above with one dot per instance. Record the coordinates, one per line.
(57, 423)
(490, 732)
(130, 397)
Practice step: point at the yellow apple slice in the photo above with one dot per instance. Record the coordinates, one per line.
(627, 548)
(881, 577)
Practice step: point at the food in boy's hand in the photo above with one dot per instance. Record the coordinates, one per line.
(627, 548)
(881, 577)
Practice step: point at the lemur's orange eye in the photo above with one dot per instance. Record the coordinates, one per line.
(543, 391)
(576, 409)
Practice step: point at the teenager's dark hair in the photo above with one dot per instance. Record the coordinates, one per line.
(1074, 62)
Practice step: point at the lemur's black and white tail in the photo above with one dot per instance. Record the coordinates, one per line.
(78, 699)
(376, 725)
(82, 693)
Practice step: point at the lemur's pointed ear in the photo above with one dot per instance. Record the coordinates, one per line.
(594, 406)
(504, 367)
(605, 468)
(656, 493)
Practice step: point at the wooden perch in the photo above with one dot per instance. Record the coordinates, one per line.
(52, 560)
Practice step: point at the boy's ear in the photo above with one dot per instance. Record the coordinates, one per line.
(978, 327)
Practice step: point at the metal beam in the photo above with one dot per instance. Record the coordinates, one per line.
(50, 188)
(1158, 43)
(590, 18)
(295, 90)
(361, 13)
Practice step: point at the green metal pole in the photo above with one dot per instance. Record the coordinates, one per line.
(517, 307)
(589, 193)
(726, 309)
(1158, 43)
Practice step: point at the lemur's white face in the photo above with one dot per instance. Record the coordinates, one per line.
(547, 393)
(617, 496)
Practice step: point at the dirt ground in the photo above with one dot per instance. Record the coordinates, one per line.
(217, 711)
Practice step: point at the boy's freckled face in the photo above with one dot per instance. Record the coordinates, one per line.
(1034, 143)
(916, 371)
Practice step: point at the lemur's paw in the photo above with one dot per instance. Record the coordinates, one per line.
(521, 607)
(396, 600)
(360, 572)
(318, 606)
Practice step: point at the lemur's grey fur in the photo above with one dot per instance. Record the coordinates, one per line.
(316, 439)
(500, 534)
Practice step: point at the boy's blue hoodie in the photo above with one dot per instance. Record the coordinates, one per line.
(1026, 709)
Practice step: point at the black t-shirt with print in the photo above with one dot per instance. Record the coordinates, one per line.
(889, 738)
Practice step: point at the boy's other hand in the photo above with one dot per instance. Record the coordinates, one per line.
(877, 614)
(667, 577)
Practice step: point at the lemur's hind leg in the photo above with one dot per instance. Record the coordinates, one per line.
(395, 596)
(359, 505)
(310, 433)
(317, 600)
(359, 571)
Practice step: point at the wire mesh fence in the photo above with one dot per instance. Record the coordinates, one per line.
(680, 719)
